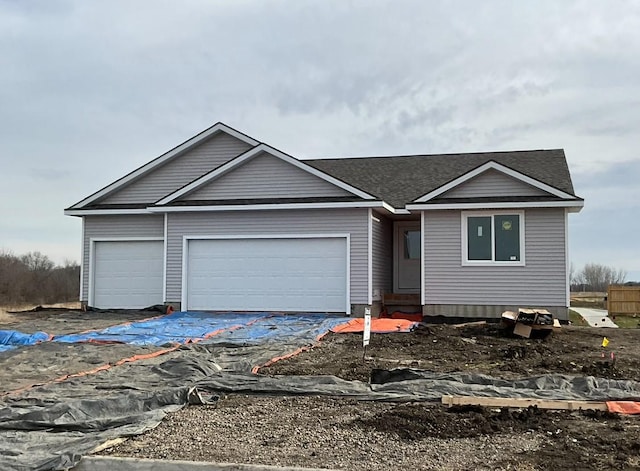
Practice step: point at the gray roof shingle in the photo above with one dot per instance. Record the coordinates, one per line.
(401, 179)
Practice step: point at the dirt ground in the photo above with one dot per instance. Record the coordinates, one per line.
(60, 321)
(39, 364)
(343, 433)
(486, 349)
(346, 434)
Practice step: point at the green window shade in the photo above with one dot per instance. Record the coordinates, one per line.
(507, 229)
(479, 238)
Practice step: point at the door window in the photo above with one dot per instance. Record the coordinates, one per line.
(411, 245)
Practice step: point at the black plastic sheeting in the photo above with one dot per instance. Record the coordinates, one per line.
(50, 428)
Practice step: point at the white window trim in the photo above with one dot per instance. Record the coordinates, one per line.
(464, 215)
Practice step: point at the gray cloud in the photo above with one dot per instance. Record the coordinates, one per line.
(91, 90)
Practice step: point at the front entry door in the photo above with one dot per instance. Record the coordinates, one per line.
(407, 255)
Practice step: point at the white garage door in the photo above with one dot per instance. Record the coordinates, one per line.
(303, 274)
(127, 274)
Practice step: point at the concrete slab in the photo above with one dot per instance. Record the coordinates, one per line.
(595, 317)
(109, 463)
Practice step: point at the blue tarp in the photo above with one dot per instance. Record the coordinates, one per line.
(183, 327)
(307, 327)
(179, 327)
(10, 339)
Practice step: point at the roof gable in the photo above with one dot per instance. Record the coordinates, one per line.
(194, 157)
(500, 178)
(265, 177)
(252, 154)
(493, 183)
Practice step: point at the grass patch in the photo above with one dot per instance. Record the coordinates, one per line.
(626, 322)
(592, 304)
(576, 319)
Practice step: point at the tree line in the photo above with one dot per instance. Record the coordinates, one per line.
(596, 277)
(33, 278)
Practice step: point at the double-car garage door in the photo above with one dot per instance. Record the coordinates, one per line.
(236, 274)
(267, 274)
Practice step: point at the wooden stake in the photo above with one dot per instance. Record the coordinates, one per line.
(522, 403)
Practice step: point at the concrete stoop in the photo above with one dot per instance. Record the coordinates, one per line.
(107, 463)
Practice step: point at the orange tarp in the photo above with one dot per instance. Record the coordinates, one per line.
(624, 407)
(378, 326)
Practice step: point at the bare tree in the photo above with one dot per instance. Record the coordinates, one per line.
(34, 278)
(37, 262)
(597, 277)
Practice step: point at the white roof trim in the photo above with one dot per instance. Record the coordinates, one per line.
(104, 212)
(497, 205)
(393, 210)
(216, 128)
(232, 164)
(500, 168)
(267, 206)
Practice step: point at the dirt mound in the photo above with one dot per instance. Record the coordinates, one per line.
(419, 421)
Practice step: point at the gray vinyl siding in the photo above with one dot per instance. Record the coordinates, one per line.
(493, 183)
(352, 221)
(266, 176)
(382, 259)
(179, 171)
(122, 226)
(541, 282)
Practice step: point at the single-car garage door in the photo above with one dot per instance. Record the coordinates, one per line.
(127, 274)
(267, 274)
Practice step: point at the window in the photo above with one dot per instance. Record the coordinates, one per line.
(412, 245)
(493, 238)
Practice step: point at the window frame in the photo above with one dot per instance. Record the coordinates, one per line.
(465, 215)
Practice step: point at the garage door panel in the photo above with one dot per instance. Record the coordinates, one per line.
(307, 274)
(127, 274)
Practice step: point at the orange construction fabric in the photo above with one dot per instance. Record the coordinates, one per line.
(624, 407)
(378, 326)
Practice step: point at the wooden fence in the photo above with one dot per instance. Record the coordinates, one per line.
(624, 299)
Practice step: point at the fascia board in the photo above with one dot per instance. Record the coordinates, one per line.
(498, 205)
(500, 168)
(104, 212)
(267, 206)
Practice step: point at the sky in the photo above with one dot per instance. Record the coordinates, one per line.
(90, 90)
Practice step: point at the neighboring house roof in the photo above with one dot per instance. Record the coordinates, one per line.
(400, 180)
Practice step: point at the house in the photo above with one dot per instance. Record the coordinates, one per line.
(225, 222)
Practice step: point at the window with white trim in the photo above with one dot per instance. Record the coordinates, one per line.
(490, 238)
